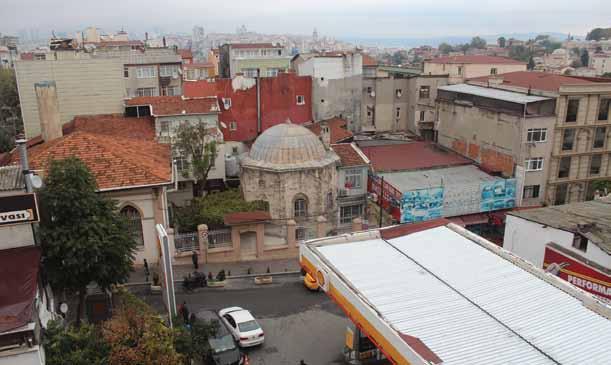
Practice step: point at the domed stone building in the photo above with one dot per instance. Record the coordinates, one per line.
(289, 167)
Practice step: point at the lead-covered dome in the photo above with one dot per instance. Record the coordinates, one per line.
(288, 146)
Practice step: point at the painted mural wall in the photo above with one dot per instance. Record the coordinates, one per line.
(453, 200)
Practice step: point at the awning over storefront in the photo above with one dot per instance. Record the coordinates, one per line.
(18, 284)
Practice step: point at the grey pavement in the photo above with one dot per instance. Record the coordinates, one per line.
(231, 269)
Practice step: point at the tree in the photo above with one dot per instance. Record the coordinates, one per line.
(445, 48)
(501, 42)
(197, 143)
(10, 111)
(192, 342)
(585, 57)
(597, 34)
(74, 345)
(607, 74)
(531, 63)
(84, 239)
(477, 42)
(7, 142)
(520, 53)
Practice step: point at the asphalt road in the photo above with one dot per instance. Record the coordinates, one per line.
(298, 324)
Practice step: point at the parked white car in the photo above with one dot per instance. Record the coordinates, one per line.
(243, 326)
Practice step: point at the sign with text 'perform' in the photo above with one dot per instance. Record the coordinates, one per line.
(18, 209)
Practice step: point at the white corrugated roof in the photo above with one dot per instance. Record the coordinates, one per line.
(468, 304)
(488, 92)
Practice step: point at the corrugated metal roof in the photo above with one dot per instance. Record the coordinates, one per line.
(11, 178)
(487, 92)
(468, 304)
(468, 175)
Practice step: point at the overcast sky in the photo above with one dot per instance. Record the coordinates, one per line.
(339, 18)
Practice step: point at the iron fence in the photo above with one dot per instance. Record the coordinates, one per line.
(185, 242)
(219, 238)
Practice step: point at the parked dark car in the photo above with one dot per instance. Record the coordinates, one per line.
(223, 349)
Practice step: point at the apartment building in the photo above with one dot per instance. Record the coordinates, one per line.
(96, 81)
(549, 131)
(601, 63)
(249, 58)
(337, 84)
(461, 68)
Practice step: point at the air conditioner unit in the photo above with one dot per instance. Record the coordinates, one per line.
(372, 94)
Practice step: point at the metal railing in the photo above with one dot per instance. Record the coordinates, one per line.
(219, 238)
(185, 242)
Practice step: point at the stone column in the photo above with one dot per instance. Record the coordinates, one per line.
(202, 236)
(291, 239)
(321, 226)
(171, 245)
(260, 229)
(235, 242)
(357, 225)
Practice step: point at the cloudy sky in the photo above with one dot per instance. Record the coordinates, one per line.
(340, 18)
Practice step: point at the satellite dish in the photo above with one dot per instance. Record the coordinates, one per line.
(63, 307)
(36, 181)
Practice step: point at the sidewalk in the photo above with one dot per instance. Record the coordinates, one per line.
(231, 269)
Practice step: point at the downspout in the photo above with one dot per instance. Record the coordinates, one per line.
(258, 82)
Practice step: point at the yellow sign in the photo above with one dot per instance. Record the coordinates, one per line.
(349, 338)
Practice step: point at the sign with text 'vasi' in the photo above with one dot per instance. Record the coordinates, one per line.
(18, 209)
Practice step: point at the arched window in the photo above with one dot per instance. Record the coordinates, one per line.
(134, 223)
(301, 207)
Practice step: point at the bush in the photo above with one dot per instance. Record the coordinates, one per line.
(211, 209)
(74, 345)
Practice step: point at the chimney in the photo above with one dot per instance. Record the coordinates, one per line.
(495, 81)
(325, 134)
(48, 110)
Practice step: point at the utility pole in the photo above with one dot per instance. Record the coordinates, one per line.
(380, 200)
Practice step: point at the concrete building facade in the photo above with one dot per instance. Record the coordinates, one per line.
(461, 68)
(247, 58)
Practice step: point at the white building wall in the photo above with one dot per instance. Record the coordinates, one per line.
(31, 356)
(528, 239)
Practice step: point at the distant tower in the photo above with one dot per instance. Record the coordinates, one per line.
(198, 33)
(315, 35)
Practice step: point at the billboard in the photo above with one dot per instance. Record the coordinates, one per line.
(18, 209)
(497, 194)
(421, 205)
(578, 273)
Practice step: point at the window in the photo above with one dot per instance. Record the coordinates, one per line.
(164, 126)
(170, 91)
(146, 91)
(182, 164)
(300, 234)
(460, 70)
(531, 191)
(561, 191)
(571, 110)
(329, 201)
(493, 71)
(249, 72)
(191, 75)
(134, 223)
(146, 72)
(534, 164)
(300, 100)
(398, 112)
(599, 137)
(234, 150)
(568, 137)
(272, 72)
(347, 214)
(603, 109)
(322, 100)
(125, 71)
(595, 163)
(564, 169)
(580, 242)
(233, 126)
(168, 71)
(301, 207)
(536, 135)
(227, 103)
(369, 90)
(398, 92)
(422, 113)
(353, 178)
(425, 92)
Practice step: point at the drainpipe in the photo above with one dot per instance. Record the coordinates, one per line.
(258, 82)
(25, 167)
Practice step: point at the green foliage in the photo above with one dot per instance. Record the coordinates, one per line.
(602, 186)
(10, 111)
(550, 46)
(75, 346)
(585, 57)
(445, 48)
(211, 209)
(477, 42)
(502, 41)
(597, 34)
(607, 74)
(197, 143)
(520, 53)
(7, 141)
(399, 58)
(84, 239)
(192, 342)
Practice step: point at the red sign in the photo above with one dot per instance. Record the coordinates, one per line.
(578, 273)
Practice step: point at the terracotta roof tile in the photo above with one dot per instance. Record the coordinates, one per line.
(411, 156)
(338, 127)
(185, 53)
(348, 154)
(532, 79)
(369, 61)
(475, 59)
(177, 105)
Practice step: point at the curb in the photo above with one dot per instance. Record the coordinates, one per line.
(245, 276)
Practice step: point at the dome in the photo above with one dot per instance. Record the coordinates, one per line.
(288, 146)
(559, 52)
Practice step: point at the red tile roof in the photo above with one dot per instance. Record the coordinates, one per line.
(199, 65)
(254, 45)
(120, 152)
(532, 79)
(338, 127)
(185, 54)
(475, 59)
(176, 105)
(369, 61)
(348, 154)
(231, 219)
(411, 156)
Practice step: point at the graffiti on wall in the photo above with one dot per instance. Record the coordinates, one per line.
(421, 205)
(497, 194)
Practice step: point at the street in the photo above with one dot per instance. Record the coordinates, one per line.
(298, 324)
